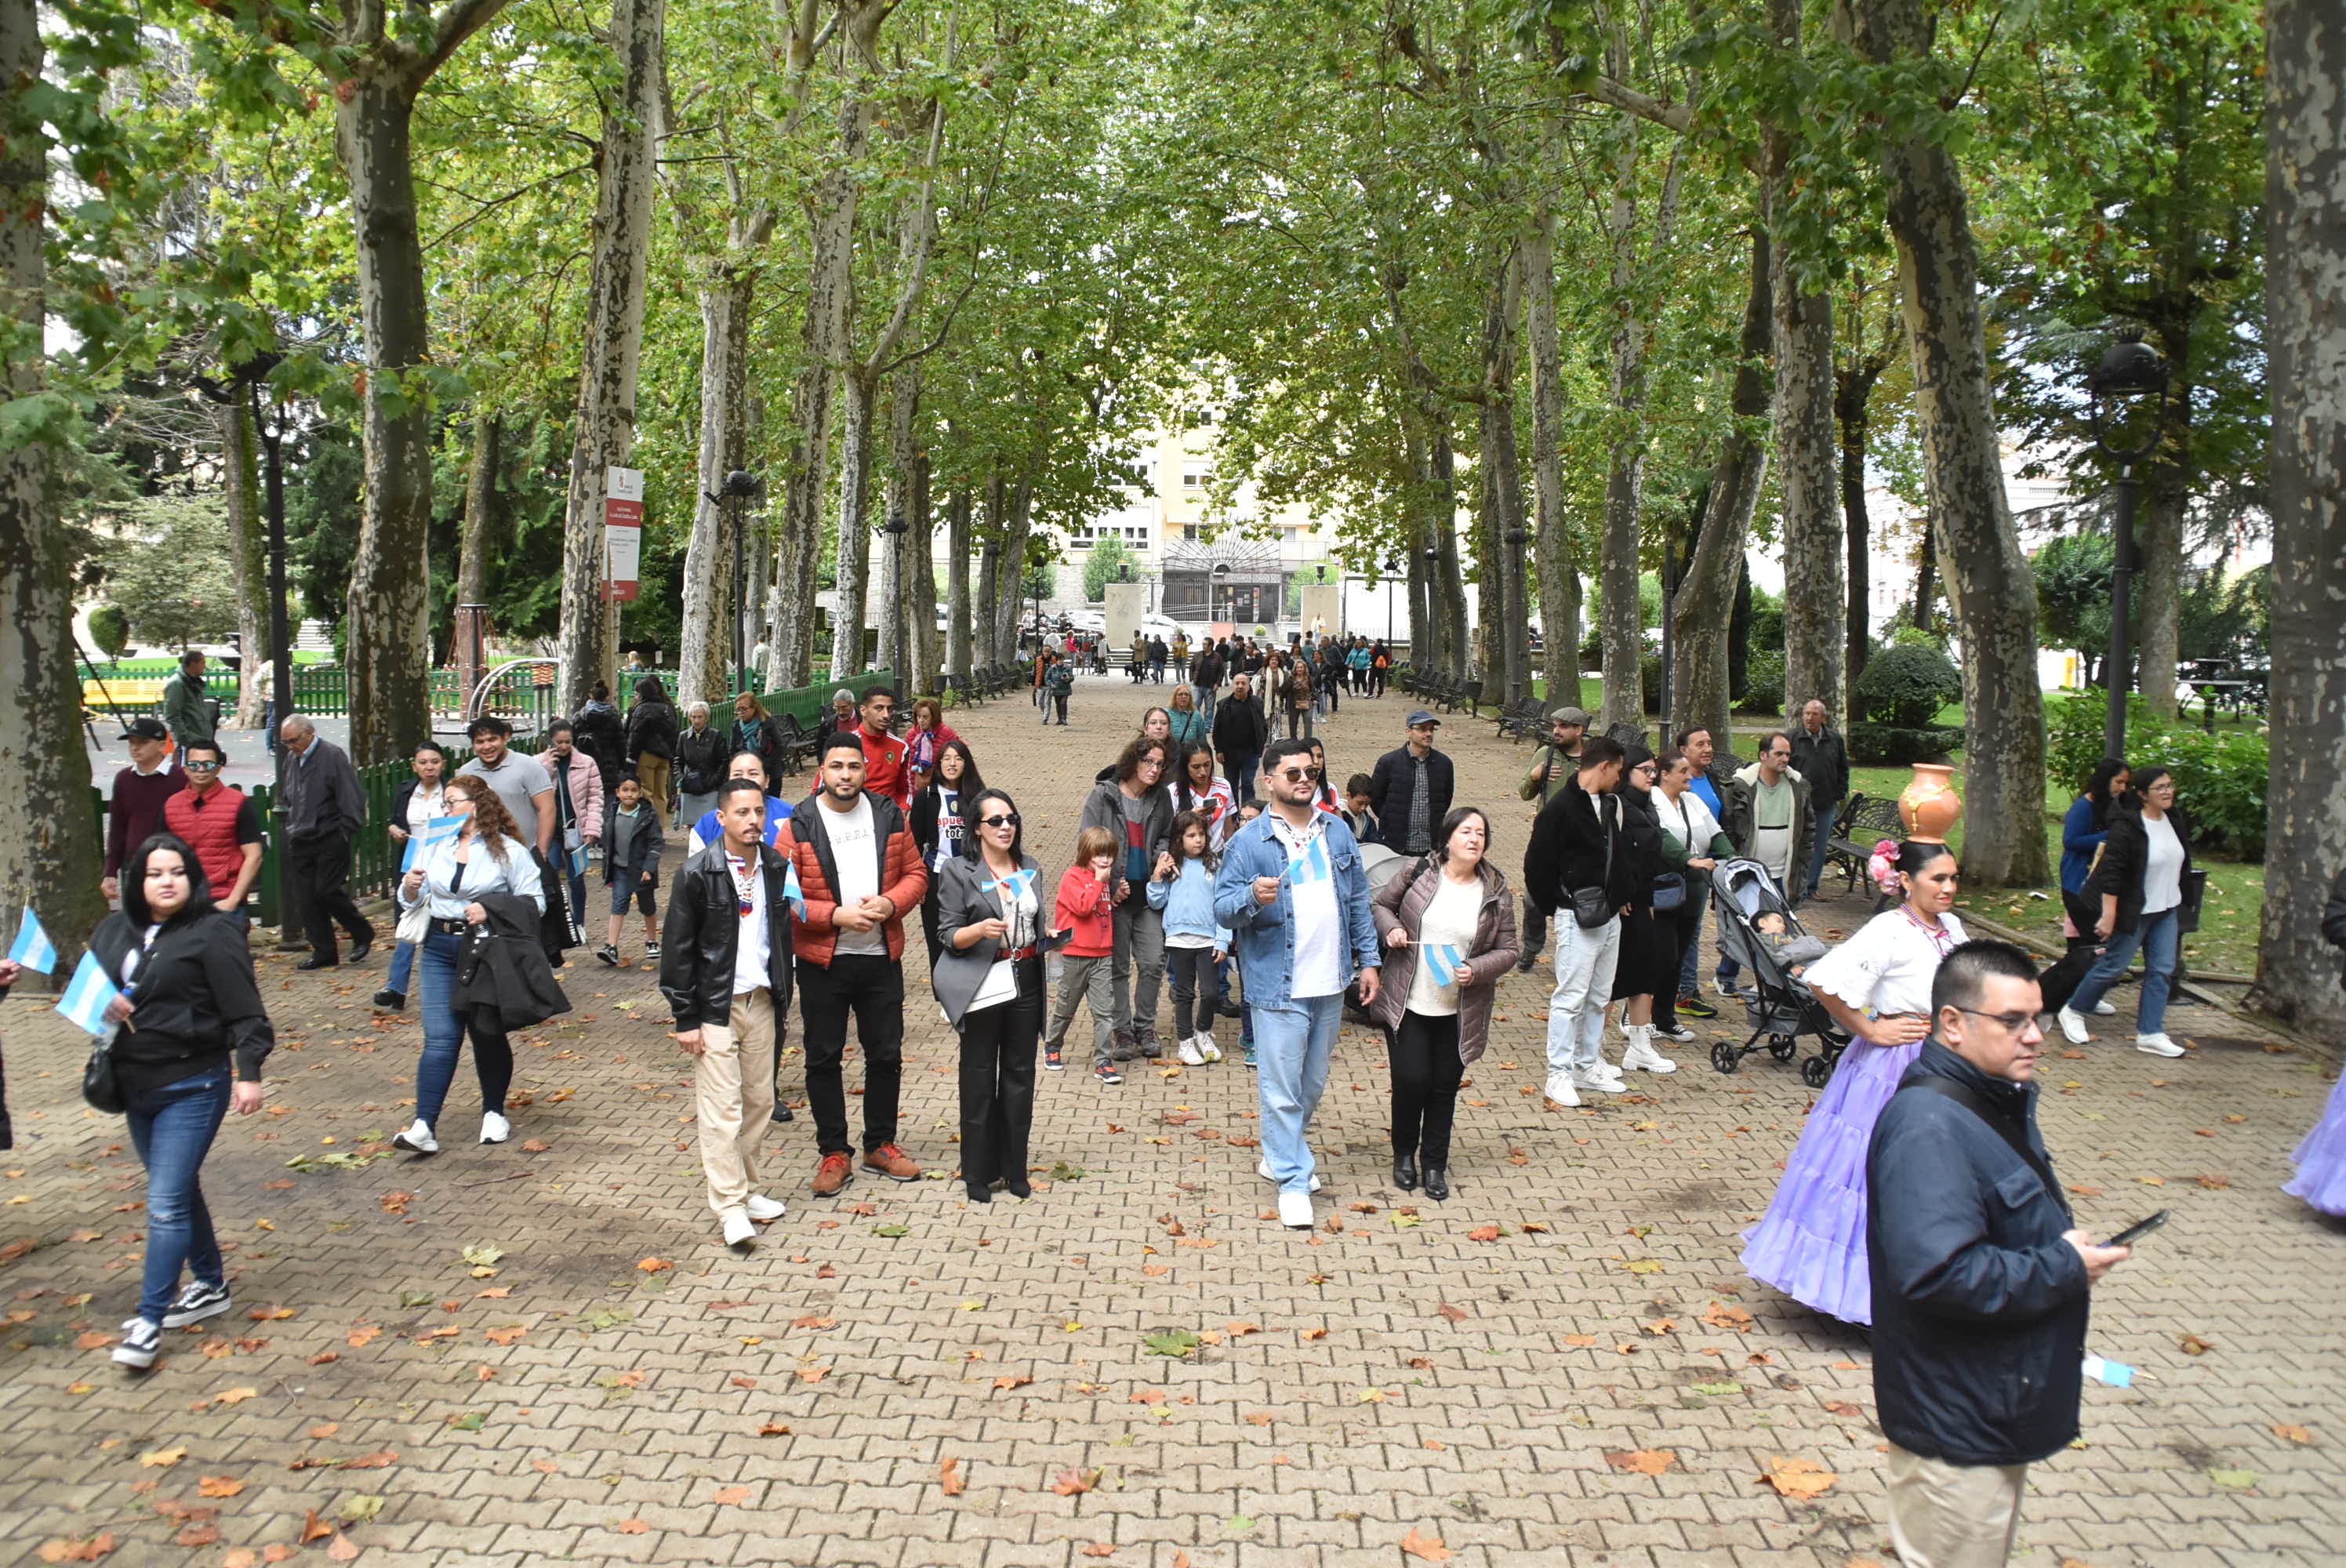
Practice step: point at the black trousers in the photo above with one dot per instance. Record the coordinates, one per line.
(1426, 1071)
(998, 1082)
(1534, 927)
(1193, 990)
(1678, 927)
(321, 866)
(870, 987)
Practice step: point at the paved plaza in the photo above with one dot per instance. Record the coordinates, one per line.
(541, 1353)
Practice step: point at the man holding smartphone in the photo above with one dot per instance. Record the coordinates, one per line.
(1980, 1277)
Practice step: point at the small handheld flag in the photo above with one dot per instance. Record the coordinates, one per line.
(33, 948)
(88, 996)
(1016, 882)
(793, 894)
(437, 830)
(1311, 866)
(1441, 962)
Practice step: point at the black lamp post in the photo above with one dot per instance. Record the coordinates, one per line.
(2130, 371)
(738, 486)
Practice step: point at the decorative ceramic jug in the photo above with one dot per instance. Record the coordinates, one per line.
(1929, 805)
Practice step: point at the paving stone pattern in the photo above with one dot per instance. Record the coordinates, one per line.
(615, 1387)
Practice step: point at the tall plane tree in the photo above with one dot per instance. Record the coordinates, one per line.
(2305, 160)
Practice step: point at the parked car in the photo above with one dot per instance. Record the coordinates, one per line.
(1159, 627)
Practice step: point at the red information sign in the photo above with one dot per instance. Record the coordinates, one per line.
(623, 531)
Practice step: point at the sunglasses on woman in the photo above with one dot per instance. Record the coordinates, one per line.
(1009, 821)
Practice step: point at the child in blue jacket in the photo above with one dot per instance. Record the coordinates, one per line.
(1194, 941)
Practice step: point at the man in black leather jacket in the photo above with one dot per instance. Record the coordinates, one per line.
(729, 1006)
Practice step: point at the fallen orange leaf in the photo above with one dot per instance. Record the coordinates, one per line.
(730, 1494)
(1071, 1482)
(1644, 1461)
(220, 1486)
(1801, 1478)
(631, 1527)
(1425, 1548)
(950, 1479)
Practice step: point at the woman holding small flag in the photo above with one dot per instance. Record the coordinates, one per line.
(175, 975)
(1448, 924)
(988, 978)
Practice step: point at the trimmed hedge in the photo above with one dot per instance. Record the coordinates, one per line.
(1905, 686)
(1890, 744)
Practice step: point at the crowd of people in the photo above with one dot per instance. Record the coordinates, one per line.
(1217, 854)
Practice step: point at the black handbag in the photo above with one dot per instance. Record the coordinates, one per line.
(1590, 906)
(98, 1085)
(2186, 913)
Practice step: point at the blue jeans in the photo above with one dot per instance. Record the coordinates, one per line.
(172, 1128)
(1293, 1045)
(2159, 936)
(1826, 812)
(1204, 695)
(402, 967)
(443, 1036)
(1243, 765)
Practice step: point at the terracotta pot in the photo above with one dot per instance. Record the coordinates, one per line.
(1929, 805)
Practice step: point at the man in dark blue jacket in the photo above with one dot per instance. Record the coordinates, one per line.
(1980, 1280)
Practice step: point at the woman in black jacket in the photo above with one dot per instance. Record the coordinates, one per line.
(1648, 959)
(651, 742)
(189, 1005)
(940, 822)
(2141, 886)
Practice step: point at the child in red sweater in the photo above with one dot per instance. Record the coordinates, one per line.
(1084, 911)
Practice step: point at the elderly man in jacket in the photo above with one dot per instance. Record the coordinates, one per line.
(1980, 1277)
(725, 970)
(324, 808)
(1766, 811)
(1822, 760)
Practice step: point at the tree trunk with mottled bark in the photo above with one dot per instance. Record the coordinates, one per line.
(1553, 557)
(1703, 608)
(1620, 618)
(985, 649)
(855, 548)
(961, 650)
(1989, 581)
(2156, 600)
(1447, 586)
(604, 432)
(248, 549)
(50, 857)
(1805, 480)
(895, 584)
(1010, 582)
(476, 535)
(920, 566)
(1853, 392)
(2305, 335)
(712, 618)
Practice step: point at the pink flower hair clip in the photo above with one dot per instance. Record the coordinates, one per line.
(1882, 866)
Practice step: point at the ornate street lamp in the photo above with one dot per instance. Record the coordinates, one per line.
(2130, 371)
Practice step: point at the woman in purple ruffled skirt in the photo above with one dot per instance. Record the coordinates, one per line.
(1810, 1245)
(2320, 1159)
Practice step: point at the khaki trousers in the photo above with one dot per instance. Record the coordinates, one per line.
(1945, 1515)
(733, 1097)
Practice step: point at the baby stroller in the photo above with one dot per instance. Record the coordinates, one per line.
(1743, 894)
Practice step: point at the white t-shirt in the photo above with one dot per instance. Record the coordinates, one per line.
(856, 852)
(1450, 920)
(423, 804)
(1319, 924)
(751, 948)
(1888, 966)
(2162, 867)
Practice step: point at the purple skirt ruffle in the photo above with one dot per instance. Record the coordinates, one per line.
(2320, 1159)
(1810, 1243)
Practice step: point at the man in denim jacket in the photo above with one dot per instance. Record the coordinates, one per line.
(1292, 889)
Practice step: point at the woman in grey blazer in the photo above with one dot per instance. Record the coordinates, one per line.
(988, 977)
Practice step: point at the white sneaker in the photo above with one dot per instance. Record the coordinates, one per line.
(1641, 1057)
(495, 1128)
(763, 1208)
(739, 1231)
(1263, 1169)
(1560, 1089)
(1188, 1056)
(1587, 1078)
(417, 1139)
(1295, 1210)
(2072, 1028)
(142, 1339)
(2157, 1046)
(2106, 1008)
(1207, 1048)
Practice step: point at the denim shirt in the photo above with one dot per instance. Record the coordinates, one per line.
(1265, 933)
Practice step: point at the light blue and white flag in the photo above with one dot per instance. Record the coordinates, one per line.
(1311, 865)
(1017, 882)
(794, 894)
(1441, 962)
(33, 948)
(437, 830)
(88, 996)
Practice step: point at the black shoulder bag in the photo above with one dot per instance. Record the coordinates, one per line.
(1592, 907)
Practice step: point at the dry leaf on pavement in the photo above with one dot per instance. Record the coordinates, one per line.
(1071, 1482)
(1644, 1461)
(1425, 1548)
(1800, 1479)
(950, 1479)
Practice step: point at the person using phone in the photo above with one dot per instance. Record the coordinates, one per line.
(1980, 1277)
